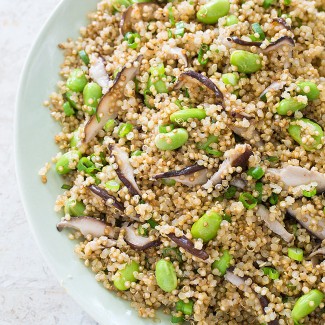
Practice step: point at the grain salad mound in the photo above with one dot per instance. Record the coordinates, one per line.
(193, 157)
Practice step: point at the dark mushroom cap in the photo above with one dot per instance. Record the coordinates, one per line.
(87, 226)
(107, 107)
(282, 22)
(188, 245)
(185, 171)
(138, 242)
(194, 78)
(105, 196)
(124, 170)
(284, 40)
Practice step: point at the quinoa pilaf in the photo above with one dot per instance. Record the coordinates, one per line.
(193, 157)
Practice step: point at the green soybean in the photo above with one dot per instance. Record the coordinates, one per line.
(295, 132)
(77, 80)
(309, 89)
(185, 114)
(207, 226)
(166, 275)
(245, 61)
(171, 140)
(63, 165)
(126, 275)
(92, 94)
(223, 262)
(74, 208)
(306, 304)
(230, 79)
(212, 11)
(288, 106)
(231, 20)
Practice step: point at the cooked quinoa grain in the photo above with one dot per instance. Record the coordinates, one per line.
(193, 140)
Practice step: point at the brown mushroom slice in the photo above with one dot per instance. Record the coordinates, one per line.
(319, 251)
(235, 157)
(297, 176)
(277, 85)
(138, 242)
(195, 79)
(239, 282)
(281, 21)
(188, 245)
(124, 171)
(107, 107)
(98, 73)
(143, 11)
(103, 194)
(274, 225)
(316, 228)
(176, 52)
(189, 176)
(282, 41)
(239, 41)
(87, 226)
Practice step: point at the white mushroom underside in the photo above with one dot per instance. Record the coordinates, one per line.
(274, 225)
(297, 176)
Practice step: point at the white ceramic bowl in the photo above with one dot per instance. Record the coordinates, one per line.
(34, 139)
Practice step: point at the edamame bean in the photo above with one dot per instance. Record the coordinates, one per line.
(245, 61)
(166, 275)
(309, 89)
(212, 11)
(288, 106)
(306, 304)
(230, 79)
(171, 140)
(207, 226)
(185, 114)
(223, 262)
(231, 20)
(300, 127)
(126, 275)
(92, 94)
(67, 162)
(77, 80)
(74, 208)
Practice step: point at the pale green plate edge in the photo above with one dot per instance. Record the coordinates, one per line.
(34, 145)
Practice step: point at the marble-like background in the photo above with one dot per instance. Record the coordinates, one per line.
(29, 293)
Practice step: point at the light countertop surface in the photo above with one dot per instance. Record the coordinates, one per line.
(29, 293)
